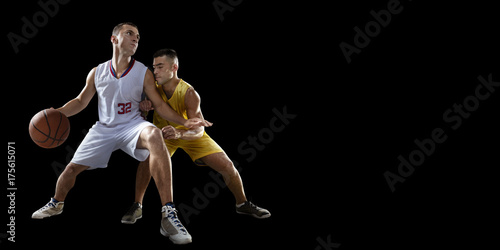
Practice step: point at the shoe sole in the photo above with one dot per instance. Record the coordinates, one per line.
(164, 233)
(131, 222)
(39, 218)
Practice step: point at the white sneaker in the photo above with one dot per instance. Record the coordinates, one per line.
(50, 209)
(172, 227)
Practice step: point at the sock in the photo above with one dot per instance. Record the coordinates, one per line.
(54, 200)
(239, 205)
(170, 204)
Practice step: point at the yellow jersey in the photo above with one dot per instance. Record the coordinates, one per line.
(196, 149)
(176, 102)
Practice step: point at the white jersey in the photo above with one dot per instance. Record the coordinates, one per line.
(118, 99)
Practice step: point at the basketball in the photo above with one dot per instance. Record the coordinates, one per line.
(49, 128)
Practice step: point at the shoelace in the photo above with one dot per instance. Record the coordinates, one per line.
(50, 204)
(132, 209)
(256, 209)
(253, 207)
(173, 216)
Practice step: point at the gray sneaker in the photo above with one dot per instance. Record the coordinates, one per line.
(172, 227)
(250, 209)
(50, 209)
(133, 214)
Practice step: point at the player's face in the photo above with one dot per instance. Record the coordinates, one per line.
(163, 69)
(128, 39)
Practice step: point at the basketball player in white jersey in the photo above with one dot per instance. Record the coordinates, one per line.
(119, 84)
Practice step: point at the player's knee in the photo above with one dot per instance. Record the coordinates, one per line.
(229, 173)
(74, 169)
(152, 135)
(230, 166)
(229, 169)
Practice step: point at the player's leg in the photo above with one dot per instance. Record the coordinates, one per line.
(221, 163)
(65, 183)
(159, 161)
(151, 138)
(142, 179)
(93, 152)
(67, 180)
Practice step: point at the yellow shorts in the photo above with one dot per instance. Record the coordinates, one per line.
(196, 149)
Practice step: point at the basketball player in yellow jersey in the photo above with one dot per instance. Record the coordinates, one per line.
(202, 149)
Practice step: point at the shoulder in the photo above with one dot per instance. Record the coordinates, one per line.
(92, 72)
(139, 64)
(191, 97)
(189, 90)
(191, 93)
(91, 75)
(149, 75)
(102, 66)
(140, 68)
(149, 79)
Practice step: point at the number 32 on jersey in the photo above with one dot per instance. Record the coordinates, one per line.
(124, 108)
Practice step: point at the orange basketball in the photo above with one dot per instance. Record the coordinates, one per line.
(49, 128)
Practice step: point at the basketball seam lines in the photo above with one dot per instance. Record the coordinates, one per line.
(48, 136)
(48, 125)
(57, 130)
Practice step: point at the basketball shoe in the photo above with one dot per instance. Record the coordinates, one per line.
(52, 208)
(172, 227)
(133, 214)
(251, 209)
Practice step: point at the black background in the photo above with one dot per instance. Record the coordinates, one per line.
(322, 177)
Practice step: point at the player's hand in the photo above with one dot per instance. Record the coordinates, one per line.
(170, 133)
(146, 105)
(196, 123)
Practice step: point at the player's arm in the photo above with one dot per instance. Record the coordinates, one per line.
(165, 111)
(192, 101)
(79, 103)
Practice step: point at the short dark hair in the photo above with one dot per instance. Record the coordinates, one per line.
(170, 53)
(117, 28)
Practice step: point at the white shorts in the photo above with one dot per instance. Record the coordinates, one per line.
(97, 146)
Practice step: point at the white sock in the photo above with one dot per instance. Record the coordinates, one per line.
(239, 205)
